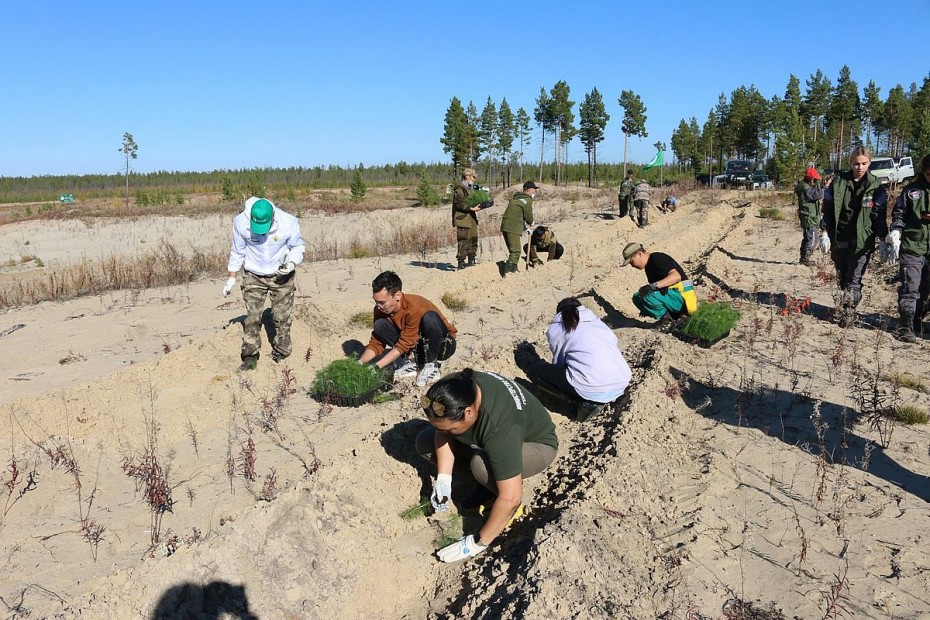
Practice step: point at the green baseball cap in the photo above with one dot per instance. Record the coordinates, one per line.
(261, 216)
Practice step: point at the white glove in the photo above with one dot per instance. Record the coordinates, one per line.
(894, 240)
(824, 242)
(442, 491)
(467, 547)
(286, 268)
(230, 283)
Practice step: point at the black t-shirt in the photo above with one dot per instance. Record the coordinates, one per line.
(658, 266)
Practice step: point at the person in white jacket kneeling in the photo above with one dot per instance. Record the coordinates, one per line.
(588, 367)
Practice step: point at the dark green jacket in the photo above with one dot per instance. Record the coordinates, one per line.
(905, 216)
(626, 188)
(462, 215)
(518, 214)
(808, 211)
(873, 212)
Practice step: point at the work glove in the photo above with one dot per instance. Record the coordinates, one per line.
(894, 240)
(647, 288)
(442, 492)
(467, 547)
(286, 268)
(230, 283)
(824, 242)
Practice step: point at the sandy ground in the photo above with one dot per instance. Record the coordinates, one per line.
(743, 472)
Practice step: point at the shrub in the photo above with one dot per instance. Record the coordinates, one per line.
(906, 380)
(346, 377)
(427, 196)
(771, 213)
(711, 321)
(363, 319)
(454, 302)
(358, 187)
(907, 414)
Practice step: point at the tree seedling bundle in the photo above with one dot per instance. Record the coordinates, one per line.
(345, 381)
(711, 322)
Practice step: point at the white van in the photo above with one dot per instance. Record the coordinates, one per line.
(891, 171)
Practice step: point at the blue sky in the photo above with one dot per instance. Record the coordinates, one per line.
(210, 85)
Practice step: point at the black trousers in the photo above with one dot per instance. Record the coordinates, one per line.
(553, 376)
(434, 342)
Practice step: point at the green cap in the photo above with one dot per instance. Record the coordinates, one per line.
(261, 216)
(630, 251)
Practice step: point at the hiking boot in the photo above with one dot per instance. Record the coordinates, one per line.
(587, 408)
(461, 265)
(405, 369)
(471, 261)
(906, 329)
(277, 357)
(429, 374)
(807, 262)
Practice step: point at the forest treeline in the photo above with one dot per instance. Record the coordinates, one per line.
(782, 133)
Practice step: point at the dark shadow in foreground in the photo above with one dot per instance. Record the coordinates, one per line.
(217, 599)
(787, 416)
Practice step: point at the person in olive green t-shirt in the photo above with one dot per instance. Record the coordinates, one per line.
(491, 426)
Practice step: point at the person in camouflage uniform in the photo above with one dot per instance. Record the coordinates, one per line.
(542, 240)
(641, 195)
(855, 209)
(910, 237)
(517, 216)
(809, 197)
(465, 220)
(626, 193)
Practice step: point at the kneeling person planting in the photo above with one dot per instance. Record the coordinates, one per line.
(404, 324)
(656, 299)
(487, 426)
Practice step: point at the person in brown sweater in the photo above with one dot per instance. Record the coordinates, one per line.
(404, 324)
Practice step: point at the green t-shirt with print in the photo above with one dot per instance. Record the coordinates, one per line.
(509, 416)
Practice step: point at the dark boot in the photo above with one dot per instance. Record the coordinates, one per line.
(846, 316)
(906, 328)
(471, 261)
(461, 264)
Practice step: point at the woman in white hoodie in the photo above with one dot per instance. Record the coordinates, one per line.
(587, 364)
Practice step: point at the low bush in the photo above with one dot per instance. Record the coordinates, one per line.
(771, 213)
(711, 321)
(906, 380)
(346, 377)
(366, 318)
(454, 302)
(908, 414)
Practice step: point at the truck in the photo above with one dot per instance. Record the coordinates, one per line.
(890, 170)
(738, 174)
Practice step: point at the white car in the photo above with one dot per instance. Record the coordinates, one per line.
(890, 171)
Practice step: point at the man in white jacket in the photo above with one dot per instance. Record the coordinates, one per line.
(267, 246)
(587, 366)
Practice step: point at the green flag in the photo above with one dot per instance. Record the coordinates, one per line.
(656, 161)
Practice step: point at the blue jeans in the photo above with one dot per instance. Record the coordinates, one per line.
(657, 305)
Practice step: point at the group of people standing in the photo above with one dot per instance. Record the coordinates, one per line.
(853, 219)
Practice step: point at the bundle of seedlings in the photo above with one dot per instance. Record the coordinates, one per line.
(710, 323)
(347, 383)
(479, 197)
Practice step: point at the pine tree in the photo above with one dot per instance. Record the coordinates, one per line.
(455, 137)
(634, 119)
(130, 150)
(542, 114)
(899, 117)
(563, 119)
(524, 137)
(814, 108)
(427, 195)
(487, 135)
(474, 144)
(843, 116)
(694, 152)
(872, 106)
(358, 187)
(593, 119)
(506, 132)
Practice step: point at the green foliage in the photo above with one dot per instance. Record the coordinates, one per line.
(634, 114)
(346, 377)
(476, 197)
(130, 150)
(363, 319)
(358, 187)
(427, 195)
(229, 189)
(457, 135)
(450, 530)
(711, 320)
(907, 414)
(454, 301)
(420, 509)
(358, 250)
(593, 122)
(771, 213)
(255, 185)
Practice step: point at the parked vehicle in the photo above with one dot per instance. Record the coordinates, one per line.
(739, 174)
(760, 180)
(892, 171)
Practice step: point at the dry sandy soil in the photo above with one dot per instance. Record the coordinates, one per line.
(740, 479)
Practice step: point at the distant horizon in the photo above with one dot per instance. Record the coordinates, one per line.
(270, 85)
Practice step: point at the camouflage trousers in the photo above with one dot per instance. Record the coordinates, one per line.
(467, 242)
(281, 291)
(642, 213)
